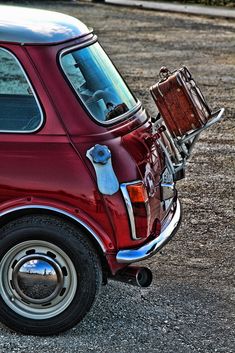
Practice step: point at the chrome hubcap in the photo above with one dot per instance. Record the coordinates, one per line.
(37, 279)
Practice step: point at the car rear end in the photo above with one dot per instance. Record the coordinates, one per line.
(134, 161)
(134, 179)
(152, 204)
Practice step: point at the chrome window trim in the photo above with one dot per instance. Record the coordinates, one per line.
(125, 194)
(81, 45)
(35, 97)
(93, 40)
(57, 210)
(123, 116)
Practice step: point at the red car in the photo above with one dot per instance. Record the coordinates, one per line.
(87, 182)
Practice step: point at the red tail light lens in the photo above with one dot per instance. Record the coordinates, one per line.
(141, 211)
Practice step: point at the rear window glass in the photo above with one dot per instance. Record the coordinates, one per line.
(98, 83)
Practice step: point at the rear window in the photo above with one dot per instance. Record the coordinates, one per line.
(97, 83)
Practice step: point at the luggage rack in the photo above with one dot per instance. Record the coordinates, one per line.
(183, 146)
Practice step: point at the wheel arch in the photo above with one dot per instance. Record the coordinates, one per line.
(20, 211)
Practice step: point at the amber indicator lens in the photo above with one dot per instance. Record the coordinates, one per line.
(137, 193)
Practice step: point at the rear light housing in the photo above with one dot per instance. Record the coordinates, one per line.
(137, 203)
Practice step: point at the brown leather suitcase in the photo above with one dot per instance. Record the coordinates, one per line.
(180, 102)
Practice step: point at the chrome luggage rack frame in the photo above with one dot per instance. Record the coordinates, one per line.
(183, 146)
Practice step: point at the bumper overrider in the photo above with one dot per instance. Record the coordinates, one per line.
(169, 229)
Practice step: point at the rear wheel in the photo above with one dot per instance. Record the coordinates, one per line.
(50, 275)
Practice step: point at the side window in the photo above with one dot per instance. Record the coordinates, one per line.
(19, 108)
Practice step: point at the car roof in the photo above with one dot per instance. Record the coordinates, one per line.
(27, 25)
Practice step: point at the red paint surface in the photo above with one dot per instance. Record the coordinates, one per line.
(50, 167)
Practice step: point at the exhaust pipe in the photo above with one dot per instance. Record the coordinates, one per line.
(134, 275)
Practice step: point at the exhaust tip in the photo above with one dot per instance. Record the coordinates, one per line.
(136, 276)
(144, 277)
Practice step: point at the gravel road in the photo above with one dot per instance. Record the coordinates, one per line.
(190, 306)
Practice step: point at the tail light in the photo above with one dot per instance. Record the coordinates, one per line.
(137, 203)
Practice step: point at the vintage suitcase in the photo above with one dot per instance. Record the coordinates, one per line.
(180, 102)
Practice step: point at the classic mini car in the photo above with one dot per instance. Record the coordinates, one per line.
(87, 181)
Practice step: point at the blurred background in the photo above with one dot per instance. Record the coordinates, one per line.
(227, 3)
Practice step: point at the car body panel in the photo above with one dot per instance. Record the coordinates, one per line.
(50, 169)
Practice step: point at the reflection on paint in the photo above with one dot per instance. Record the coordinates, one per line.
(19, 24)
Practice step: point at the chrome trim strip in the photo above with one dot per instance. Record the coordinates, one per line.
(124, 115)
(83, 44)
(35, 97)
(57, 210)
(130, 212)
(149, 249)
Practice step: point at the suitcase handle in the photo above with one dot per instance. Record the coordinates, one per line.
(164, 73)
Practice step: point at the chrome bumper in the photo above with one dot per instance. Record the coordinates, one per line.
(149, 249)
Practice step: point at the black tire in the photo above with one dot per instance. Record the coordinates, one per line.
(50, 275)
